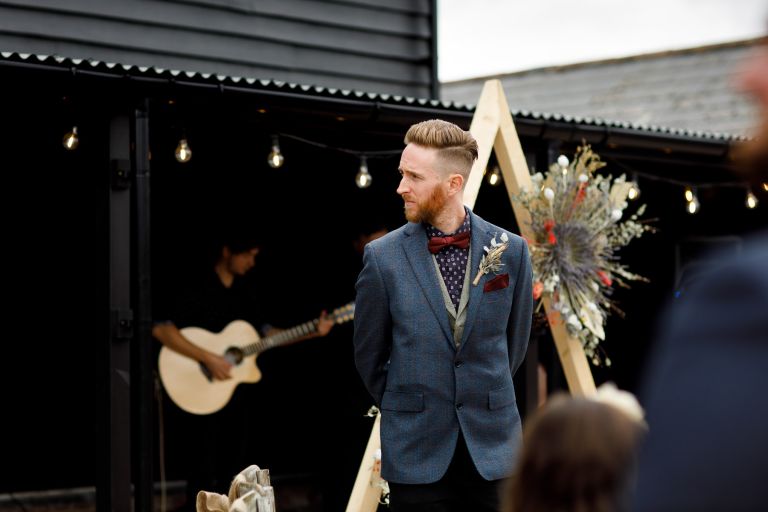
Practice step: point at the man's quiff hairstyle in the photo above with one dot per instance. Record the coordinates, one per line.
(456, 148)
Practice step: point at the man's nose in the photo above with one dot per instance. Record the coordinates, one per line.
(401, 187)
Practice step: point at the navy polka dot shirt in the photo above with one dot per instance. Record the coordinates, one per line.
(452, 260)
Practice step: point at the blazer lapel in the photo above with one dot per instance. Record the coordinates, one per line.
(481, 235)
(415, 247)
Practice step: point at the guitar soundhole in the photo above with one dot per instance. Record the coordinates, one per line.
(234, 355)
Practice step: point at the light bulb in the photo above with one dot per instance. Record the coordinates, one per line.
(275, 158)
(71, 140)
(495, 177)
(693, 206)
(688, 194)
(765, 187)
(183, 152)
(363, 178)
(751, 200)
(634, 189)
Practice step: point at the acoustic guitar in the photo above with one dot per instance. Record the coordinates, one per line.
(192, 387)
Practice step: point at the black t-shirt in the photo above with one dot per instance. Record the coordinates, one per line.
(210, 305)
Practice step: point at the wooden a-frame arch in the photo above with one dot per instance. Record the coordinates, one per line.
(493, 128)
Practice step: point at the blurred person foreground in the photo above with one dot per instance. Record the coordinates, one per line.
(706, 384)
(578, 455)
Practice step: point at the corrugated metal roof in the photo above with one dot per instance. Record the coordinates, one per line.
(689, 89)
(118, 69)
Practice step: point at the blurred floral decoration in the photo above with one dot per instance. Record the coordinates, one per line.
(576, 221)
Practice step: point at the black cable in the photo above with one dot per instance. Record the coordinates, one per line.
(370, 154)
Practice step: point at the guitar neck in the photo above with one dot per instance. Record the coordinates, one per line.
(283, 337)
(340, 315)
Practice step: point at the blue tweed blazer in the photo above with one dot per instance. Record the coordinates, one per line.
(428, 389)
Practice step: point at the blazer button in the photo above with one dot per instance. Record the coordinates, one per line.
(459, 405)
(458, 364)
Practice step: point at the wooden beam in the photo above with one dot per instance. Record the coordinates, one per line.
(493, 128)
(367, 489)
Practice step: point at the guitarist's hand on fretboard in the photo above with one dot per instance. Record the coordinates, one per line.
(324, 324)
(217, 365)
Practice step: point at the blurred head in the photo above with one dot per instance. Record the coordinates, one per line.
(752, 79)
(434, 166)
(237, 250)
(239, 263)
(578, 455)
(366, 226)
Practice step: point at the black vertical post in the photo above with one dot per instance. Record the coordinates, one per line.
(530, 366)
(531, 376)
(114, 490)
(142, 363)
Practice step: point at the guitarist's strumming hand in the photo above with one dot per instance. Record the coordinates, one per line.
(217, 365)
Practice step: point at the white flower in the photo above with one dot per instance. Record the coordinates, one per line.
(494, 243)
(504, 238)
(615, 214)
(562, 161)
(549, 194)
(583, 178)
(624, 401)
(574, 321)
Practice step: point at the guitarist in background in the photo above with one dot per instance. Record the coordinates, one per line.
(217, 300)
(215, 446)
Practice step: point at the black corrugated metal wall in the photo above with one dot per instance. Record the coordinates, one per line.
(372, 45)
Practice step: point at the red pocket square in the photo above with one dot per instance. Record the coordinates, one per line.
(497, 283)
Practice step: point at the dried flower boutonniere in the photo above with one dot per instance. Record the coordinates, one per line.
(491, 261)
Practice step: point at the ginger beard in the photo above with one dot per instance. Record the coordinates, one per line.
(429, 209)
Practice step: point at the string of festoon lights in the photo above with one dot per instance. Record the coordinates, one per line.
(690, 190)
(363, 178)
(276, 159)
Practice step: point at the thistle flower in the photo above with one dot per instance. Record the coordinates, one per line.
(577, 227)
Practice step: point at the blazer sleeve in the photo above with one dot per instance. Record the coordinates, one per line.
(521, 315)
(373, 326)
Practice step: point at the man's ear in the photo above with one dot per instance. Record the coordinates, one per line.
(455, 183)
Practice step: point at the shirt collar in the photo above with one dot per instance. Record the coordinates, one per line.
(432, 231)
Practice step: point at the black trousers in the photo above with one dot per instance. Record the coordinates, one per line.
(461, 489)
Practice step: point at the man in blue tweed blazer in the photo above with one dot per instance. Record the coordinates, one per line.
(435, 344)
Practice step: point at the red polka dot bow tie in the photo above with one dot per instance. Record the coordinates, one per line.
(460, 240)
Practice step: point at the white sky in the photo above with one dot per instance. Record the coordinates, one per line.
(486, 37)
